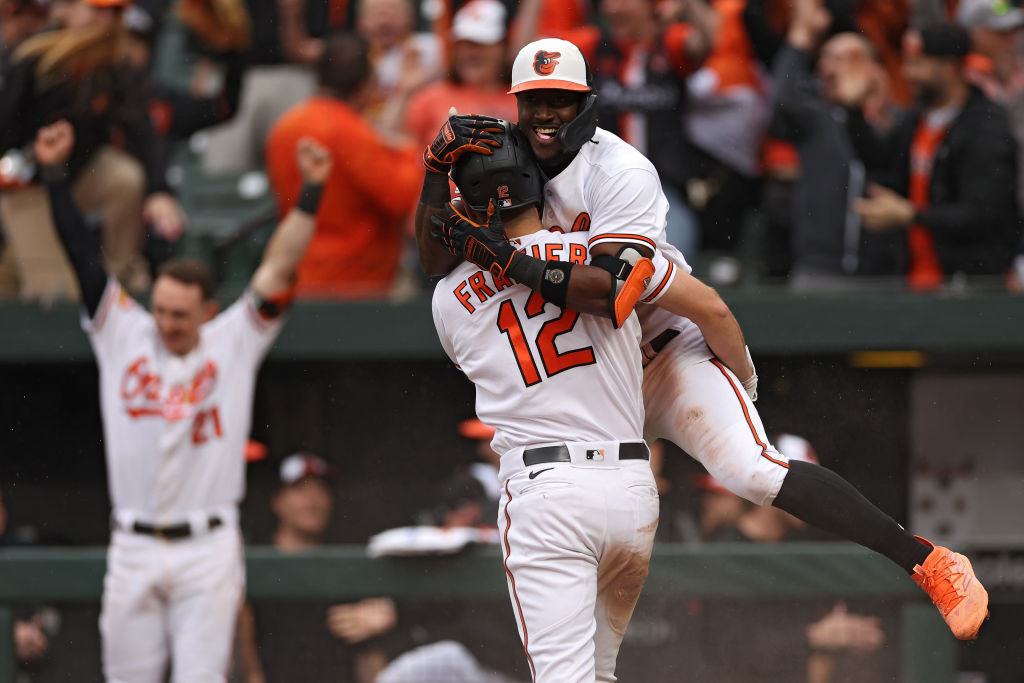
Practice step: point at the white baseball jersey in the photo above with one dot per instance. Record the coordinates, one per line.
(613, 192)
(542, 375)
(176, 426)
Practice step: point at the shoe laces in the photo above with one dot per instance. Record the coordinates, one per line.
(943, 586)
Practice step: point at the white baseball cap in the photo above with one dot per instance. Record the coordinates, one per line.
(480, 21)
(301, 465)
(997, 15)
(549, 63)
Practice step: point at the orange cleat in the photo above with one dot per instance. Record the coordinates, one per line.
(949, 580)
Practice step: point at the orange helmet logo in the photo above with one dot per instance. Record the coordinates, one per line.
(544, 62)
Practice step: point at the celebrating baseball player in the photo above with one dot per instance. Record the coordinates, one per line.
(176, 388)
(693, 348)
(579, 506)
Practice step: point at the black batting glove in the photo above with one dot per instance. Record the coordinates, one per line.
(460, 134)
(484, 245)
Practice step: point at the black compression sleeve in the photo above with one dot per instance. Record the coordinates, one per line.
(821, 497)
(81, 244)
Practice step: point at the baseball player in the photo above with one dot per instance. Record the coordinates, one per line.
(579, 505)
(176, 388)
(693, 347)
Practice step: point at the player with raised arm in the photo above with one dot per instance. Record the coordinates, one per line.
(176, 389)
(579, 505)
(693, 347)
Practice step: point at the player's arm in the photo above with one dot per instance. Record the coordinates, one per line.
(689, 297)
(53, 147)
(287, 246)
(610, 286)
(459, 134)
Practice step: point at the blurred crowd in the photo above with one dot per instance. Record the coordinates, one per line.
(826, 144)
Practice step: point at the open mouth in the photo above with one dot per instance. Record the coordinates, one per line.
(545, 133)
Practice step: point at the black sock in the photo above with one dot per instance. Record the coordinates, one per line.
(822, 498)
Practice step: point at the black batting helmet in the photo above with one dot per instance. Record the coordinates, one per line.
(509, 176)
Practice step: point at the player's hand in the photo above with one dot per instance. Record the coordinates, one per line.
(315, 162)
(884, 210)
(460, 134)
(484, 245)
(840, 630)
(361, 620)
(54, 143)
(30, 642)
(165, 214)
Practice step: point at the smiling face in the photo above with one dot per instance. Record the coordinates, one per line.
(179, 310)
(541, 114)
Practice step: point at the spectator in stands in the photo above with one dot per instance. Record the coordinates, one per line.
(826, 240)
(996, 65)
(358, 241)
(280, 55)
(814, 634)
(950, 168)
(32, 627)
(403, 59)
(478, 80)
(104, 102)
(640, 68)
(725, 122)
(19, 19)
(288, 640)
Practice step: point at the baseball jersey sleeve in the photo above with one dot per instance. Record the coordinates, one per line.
(628, 207)
(251, 331)
(117, 319)
(664, 272)
(442, 334)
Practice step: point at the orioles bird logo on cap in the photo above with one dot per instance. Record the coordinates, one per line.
(544, 62)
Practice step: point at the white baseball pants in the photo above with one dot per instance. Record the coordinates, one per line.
(577, 540)
(176, 600)
(700, 405)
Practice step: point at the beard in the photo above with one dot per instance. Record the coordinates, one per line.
(929, 95)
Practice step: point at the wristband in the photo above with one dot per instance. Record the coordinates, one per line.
(53, 173)
(309, 198)
(554, 283)
(526, 270)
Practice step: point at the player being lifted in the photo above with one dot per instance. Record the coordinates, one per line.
(693, 346)
(579, 506)
(176, 388)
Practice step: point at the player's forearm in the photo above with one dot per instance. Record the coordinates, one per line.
(288, 244)
(81, 244)
(434, 198)
(689, 297)
(725, 339)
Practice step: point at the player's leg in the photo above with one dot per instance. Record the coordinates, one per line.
(132, 626)
(632, 504)
(702, 408)
(551, 569)
(203, 605)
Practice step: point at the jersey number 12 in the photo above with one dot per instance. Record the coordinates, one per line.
(553, 361)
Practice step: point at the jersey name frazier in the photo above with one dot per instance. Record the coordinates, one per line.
(475, 288)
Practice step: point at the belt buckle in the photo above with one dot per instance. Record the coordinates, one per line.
(158, 531)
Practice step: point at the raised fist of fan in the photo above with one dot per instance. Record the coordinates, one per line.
(461, 133)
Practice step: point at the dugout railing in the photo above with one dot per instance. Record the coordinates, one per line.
(928, 650)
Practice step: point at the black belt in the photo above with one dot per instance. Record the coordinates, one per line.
(172, 531)
(628, 450)
(654, 347)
